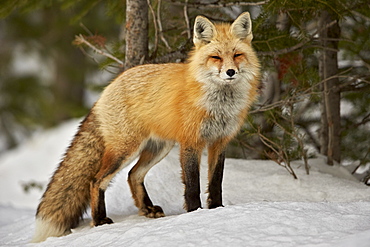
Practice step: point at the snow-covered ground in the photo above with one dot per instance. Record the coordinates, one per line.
(264, 205)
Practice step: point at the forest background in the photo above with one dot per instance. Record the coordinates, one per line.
(57, 56)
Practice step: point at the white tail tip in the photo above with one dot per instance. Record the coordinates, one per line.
(44, 229)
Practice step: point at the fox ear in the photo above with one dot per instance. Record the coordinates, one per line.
(204, 31)
(242, 27)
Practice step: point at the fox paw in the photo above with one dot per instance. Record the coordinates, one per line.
(152, 212)
(103, 221)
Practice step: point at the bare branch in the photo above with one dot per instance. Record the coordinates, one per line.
(218, 4)
(80, 39)
(187, 19)
(155, 27)
(86, 29)
(160, 26)
(281, 154)
(360, 15)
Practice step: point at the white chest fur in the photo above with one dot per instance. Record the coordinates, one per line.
(224, 104)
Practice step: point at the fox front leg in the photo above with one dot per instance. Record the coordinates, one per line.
(215, 176)
(190, 160)
(216, 162)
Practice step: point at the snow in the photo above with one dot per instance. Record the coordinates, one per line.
(264, 205)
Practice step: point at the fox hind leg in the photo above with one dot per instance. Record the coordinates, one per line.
(153, 152)
(112, 163)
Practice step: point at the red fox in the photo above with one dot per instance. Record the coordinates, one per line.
(143, 113)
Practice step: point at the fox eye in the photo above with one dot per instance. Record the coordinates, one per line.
(216, 57)
(237, 55)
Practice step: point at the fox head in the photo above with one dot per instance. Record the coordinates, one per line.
(223, 53)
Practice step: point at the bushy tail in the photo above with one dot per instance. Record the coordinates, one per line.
(68, 194)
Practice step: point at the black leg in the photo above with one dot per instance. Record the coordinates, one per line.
(215, 183)
(100, 217)
(190, 159)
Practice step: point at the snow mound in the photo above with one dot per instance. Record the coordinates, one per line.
(264, 205)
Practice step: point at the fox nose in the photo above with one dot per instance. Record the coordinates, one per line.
(230, 72)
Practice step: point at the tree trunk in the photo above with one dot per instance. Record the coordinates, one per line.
(328, 67)
(136, 32)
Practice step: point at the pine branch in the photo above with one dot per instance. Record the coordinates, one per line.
(296, 46)
(285, 50)
(306, 92)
